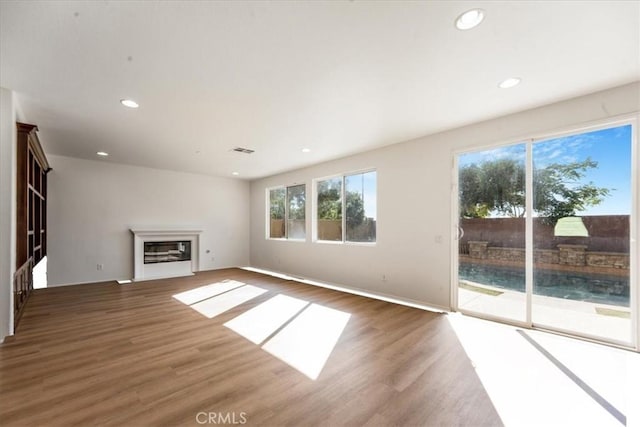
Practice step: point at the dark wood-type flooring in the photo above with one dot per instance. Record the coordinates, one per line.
(106, 354)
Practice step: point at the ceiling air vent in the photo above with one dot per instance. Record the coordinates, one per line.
(243, 150)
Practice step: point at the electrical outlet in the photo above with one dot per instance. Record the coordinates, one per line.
(384, 277)
(99, 267)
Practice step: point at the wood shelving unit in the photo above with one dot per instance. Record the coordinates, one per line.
(31, 221)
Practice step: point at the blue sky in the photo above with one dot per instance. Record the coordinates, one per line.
(365, 184)
(610, 147)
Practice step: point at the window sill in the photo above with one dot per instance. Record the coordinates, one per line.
(282, 239)
(335, 242)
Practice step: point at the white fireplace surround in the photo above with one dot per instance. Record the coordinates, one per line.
(144, 271)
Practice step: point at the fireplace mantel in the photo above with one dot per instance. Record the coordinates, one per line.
(144, 271)
(163, 231)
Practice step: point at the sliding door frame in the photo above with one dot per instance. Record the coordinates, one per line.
(634, 226)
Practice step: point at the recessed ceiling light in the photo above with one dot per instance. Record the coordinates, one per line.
(306, 150)
(510, 82)
(129, 103)
(235, 173)
(469, 19)
(102, 153)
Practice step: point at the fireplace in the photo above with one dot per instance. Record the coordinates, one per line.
(162, 253)
(168, 251)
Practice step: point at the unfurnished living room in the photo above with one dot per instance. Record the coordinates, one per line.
(302, 213)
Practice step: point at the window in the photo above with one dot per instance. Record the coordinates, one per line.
(555, 214)
(346, 208)
(296, 199)
(330, 209)
(360, 207)
(287, 212)
(276, 213)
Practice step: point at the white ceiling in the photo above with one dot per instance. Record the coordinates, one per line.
(337, 77)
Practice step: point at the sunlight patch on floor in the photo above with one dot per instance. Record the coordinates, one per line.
(217, 305)
(301, 334)
(262, 321)
(535, 378)
(202, 293)
(308, 340)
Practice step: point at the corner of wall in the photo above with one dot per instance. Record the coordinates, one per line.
(7, 209)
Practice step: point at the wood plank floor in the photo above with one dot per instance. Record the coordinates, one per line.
(105, 354)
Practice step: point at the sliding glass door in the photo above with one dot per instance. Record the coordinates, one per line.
(491, 269)
(545, 231)
(581, 233)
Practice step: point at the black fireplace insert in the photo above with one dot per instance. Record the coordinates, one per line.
(155, 252)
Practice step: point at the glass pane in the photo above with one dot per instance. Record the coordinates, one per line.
(276, 213)
(330, 209)
(491, 268)
(296, 197)
(360, 209)
(582, 207)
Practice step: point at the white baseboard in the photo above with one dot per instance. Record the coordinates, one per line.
(355, 291)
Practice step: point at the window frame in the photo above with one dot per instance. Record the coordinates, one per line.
(314, 208)
(286, 237)
(531, 139)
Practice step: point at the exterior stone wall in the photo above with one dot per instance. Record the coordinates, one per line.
(608, 259)
(572, 255)
(569, 255)
(506, 254)
(546, 256)
(478, 249)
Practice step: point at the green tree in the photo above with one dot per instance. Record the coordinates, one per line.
(329, 199)
(502, 186)
(499, 186)
(473, 203)
(296, 201)
(558, 190)
(355, 209)
(276, 203)
(330, 203)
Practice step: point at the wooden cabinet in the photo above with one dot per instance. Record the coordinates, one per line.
(31, 239)
(31, 220)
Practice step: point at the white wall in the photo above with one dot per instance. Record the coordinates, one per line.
(93, 204)
(7, 209)
(414, 203)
